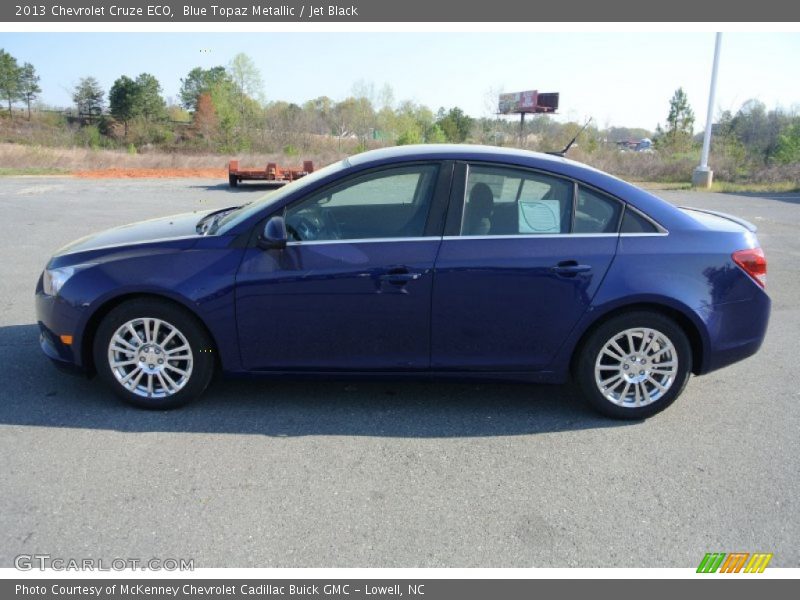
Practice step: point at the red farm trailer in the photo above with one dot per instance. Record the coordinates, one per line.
(272, 176)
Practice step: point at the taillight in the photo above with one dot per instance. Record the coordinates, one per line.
(754, 263)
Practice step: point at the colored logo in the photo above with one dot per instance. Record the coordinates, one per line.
(735, 562)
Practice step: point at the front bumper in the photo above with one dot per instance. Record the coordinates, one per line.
(59, 353)
(56, 317)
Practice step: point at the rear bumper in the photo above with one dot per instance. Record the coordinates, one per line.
(736, 330)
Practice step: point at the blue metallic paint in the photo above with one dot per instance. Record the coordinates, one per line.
(480, 307)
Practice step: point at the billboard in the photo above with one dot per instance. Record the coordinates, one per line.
(530, 101)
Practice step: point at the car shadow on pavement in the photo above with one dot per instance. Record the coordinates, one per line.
(36, 394)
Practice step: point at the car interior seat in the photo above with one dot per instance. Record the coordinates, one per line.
(480, 207)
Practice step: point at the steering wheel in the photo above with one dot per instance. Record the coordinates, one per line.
(302, 228)
(331, 224)
(312, 224)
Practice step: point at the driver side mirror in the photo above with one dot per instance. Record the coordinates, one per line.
(274, 236)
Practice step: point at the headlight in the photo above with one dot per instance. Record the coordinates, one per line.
(54, 279)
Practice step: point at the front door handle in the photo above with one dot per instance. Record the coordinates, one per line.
(399, 276)
(570, 268)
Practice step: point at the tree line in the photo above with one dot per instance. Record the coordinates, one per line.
(18, 82)
(222, 109)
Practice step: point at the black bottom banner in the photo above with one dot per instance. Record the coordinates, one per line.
(381, 589)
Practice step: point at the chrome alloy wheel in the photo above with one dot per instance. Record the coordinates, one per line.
(636, 367)
(150, 357)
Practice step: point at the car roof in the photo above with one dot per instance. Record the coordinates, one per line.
(475, 152)
(455, 152)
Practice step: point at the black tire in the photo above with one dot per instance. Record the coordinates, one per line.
(233, 181)
(200, 345)
(594, 344)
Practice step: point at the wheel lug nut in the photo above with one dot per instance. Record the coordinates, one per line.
(161, 362)
(641, 372)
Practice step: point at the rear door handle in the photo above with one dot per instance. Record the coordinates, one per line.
(570, 268)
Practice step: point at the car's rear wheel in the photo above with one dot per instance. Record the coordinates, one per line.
(153, 354)
(634, 365)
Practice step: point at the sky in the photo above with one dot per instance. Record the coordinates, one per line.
(618, 79)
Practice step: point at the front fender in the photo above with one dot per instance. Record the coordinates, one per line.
(201, 280)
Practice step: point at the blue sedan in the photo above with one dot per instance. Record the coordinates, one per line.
(462, 262)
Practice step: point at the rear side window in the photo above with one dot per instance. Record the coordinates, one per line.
(633, 222)
(596, 213)
(507, 201)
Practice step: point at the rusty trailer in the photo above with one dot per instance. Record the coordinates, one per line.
(273, 175)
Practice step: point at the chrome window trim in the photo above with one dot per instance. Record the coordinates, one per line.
(449, 238)
(654, 234)
(530, 236)
(430, 238)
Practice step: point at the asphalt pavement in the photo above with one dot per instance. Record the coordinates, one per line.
(398, 474)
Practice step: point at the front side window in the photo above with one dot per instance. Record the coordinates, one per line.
(389, 203)
(507, 201)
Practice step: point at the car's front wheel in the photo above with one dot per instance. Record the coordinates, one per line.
(153, 354)
(634, 365)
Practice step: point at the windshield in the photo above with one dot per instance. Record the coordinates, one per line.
(231, 219)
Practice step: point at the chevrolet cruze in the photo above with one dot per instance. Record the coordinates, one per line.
(461, 262)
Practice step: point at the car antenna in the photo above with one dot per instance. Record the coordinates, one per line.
(572, 141)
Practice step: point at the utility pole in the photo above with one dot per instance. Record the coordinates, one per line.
(703, 176)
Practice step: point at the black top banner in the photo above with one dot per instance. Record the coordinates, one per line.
(102, 11)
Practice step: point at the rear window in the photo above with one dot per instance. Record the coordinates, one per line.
(596, 213)
(508, 201)
(633, 222)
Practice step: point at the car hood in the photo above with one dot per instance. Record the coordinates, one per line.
(161, 229)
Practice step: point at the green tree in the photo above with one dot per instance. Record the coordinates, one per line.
(680, 124)
(788, 147)
(148, 101)
(200, 81)
(225, 99)
(129, 99)
(9, 79)
(122, 100)
(88, 96)
(247, 82)
(435, 135)
(455, 124)
(29, 85)
(410, 136)
(320, 112)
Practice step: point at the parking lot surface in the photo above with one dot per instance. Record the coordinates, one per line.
(398, 474)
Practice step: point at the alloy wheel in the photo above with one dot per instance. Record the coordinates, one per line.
(636, 367)
(150, 357)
